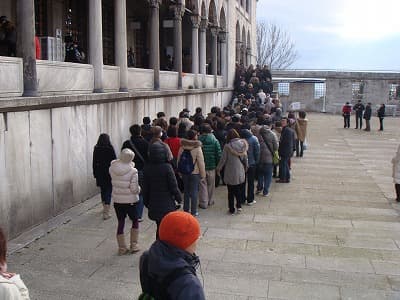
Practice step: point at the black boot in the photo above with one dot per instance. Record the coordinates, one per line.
(397, 187)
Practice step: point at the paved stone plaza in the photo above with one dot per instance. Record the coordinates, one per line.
(332, 233)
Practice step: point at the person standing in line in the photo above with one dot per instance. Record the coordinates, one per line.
(11, 285)
(190, 153)
(381, 116)
(140, 147)
(346, 111)
(103, 155)
(160, 189)
(253, 155)
(268, 145)
(367, 116)
(234, 159)
(396, 173)
(286, 146)
(359, 108)
(212, 154)
(301, 133)
(168, 268)
(126, 189)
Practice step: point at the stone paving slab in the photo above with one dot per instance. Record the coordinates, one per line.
(332, 233)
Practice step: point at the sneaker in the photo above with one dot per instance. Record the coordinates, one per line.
(265, 195)
(258, 192)
(239, 210)
(140, 220)
(196, 214)
(251, 203)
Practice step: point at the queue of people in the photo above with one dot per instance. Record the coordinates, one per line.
(362, 112)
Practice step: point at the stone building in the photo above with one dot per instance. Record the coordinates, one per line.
(52, 111)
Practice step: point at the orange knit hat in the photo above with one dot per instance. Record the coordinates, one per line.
(180, 229)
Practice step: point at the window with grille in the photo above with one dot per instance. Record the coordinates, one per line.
(357, 90)
(284, 88)
(319, 90)
(394, 92)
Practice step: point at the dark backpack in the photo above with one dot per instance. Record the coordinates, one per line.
(155, 289)
(186, 164)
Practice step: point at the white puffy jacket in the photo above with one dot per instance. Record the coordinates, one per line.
(396, 167)
(13, 288)
(125, 181)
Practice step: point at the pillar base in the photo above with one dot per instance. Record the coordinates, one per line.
(123, 90)
(31, 93)
(98, 90)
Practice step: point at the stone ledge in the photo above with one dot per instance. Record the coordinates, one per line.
(45, 102)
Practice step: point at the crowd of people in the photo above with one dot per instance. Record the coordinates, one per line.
(361, 112)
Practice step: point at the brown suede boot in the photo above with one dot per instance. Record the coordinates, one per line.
(122, 249)
(134, 240)
(106, 211)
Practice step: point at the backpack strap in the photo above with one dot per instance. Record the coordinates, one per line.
(136, 151)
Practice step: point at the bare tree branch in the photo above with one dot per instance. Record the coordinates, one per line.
(274, 46)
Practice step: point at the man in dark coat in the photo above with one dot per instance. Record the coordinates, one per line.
(168, 268)
(367, 117)
(160, 189)
(359, 108)
(286, 147)
(140, 147)
(381, 115)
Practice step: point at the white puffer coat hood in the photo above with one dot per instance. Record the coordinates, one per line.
(396, 166)
(124, 179)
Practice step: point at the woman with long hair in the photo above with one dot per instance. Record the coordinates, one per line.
(11, 285)
(103, 154)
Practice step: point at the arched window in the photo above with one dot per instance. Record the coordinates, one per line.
(248, 6)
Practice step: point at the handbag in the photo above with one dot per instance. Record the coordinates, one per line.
(275, 154)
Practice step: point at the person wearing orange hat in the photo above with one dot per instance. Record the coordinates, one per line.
(168, 268)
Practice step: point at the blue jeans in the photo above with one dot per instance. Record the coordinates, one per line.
(105, 192)
(284, 172)
(265, 177)
(139, 206)
(191, 192)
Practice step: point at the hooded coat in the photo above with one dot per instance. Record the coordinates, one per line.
(102, 158)
(396, 167)
(125, 179)
(266, 135)
(13, 288)
(253, 153)
(163, 259)
(160, 189)
(194, 146)
(234, 159)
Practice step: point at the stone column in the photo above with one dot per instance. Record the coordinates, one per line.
(238, 52)
(195, 48)
(248, 51)
(179, 10)
(96, 44)
(121, 48)
(224, 54)
(155, 41)
(214, 53)
(202, 49)
(26, 45)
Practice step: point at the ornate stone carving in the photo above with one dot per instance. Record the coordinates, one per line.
(154, 3)
(214, 30)
(195, 21)
(222, 36)
(179, 11)
(203, 24)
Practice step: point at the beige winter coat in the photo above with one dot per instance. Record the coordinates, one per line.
(301, 129)
(197, 155)
(13, 288)
(396, 167)
(124, 179)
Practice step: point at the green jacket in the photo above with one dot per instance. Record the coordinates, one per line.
(211, 151)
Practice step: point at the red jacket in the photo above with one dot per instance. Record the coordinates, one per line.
(174, 143)
(346, 109)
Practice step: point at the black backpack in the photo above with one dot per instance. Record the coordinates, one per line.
(154, 288)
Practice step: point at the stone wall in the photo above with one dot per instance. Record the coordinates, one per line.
(46, 146)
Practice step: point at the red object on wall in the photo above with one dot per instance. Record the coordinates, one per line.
(38, 51)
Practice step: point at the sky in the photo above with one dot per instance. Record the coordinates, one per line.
(339, 34)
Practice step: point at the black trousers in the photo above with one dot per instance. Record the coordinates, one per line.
(380, 123)
(235, 191)
(251, 175)
(299, 148)
(359, 121)
(397, 187)
(346, 119)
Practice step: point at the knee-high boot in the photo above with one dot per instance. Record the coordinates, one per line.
(122, 249)
(134, 240)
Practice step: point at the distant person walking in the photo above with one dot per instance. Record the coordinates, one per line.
(359, 108)
(396, 173)
(381, 116)
(367, 116)
(346, 111)
(103, 155)
(301, 132)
